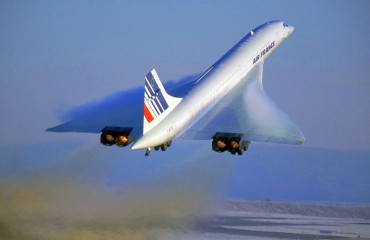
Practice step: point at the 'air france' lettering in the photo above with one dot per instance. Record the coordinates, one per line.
(263, 52)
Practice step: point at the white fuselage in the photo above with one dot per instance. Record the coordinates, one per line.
(217, 82)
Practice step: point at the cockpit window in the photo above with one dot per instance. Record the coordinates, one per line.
(285, 25)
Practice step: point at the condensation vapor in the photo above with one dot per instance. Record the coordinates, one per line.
(73, 200)
(131, 99)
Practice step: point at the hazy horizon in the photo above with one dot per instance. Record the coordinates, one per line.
(58, 59)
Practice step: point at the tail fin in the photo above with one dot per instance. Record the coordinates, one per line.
(157, 103)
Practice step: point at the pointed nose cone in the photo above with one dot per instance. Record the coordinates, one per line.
(291, 30)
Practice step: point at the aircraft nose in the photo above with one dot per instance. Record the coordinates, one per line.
(290, 30)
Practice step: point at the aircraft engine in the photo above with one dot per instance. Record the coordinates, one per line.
(219, 144)
(229, 142)
(115, 135)
(121, 140)
(107, 139)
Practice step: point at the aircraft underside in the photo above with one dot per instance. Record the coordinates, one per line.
(221, 142)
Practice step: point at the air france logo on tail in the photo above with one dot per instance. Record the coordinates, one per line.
(155, 103)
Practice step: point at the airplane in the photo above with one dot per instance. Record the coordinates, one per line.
(226, 105)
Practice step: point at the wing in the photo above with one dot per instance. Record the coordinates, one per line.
(249, 111)
(120, 110)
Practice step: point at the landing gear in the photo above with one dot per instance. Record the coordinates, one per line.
(148, 151)
(162, 147)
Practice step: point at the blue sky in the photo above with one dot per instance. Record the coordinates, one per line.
(56, 55)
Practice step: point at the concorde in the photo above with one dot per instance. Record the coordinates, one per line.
(226, 105)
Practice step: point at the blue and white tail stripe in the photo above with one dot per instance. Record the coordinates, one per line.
(157, 103)
(154, 94)
(151, 106)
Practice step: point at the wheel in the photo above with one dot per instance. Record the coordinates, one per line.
(240, 152)
(156, 148)
(169, 144)
(163, 147)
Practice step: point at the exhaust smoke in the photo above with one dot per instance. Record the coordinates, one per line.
(78, 198)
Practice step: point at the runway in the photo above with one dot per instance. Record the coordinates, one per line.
(276, 220)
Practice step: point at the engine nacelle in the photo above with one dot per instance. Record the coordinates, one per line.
(115, 135)
(230, 142)
(219, 144)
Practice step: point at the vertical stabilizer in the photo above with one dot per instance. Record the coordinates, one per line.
(157, 103)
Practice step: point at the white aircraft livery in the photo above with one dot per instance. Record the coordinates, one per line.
(226, 105)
